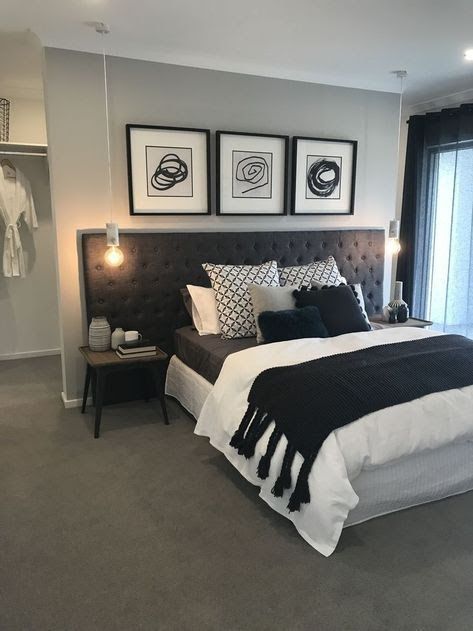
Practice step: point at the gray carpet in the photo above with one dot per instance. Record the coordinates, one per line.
(150, 528)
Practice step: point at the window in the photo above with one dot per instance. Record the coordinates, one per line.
(448, 286)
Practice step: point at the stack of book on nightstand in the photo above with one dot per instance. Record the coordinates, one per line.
(134, 350)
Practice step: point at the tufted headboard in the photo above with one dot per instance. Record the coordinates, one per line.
(144, 294)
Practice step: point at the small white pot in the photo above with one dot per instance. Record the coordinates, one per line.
(118, 337)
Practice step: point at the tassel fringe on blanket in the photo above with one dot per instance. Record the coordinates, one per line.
(251, 430)
(306, 402)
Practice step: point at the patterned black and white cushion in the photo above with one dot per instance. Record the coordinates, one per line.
(325, 272)
(230, 283)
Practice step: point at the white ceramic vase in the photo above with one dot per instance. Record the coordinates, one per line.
(397, 300)
(118, 337)
(398, 306)
(99, 334)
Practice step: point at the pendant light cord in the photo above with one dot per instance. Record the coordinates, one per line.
(401, 96)
(107, 126)
(401, 75)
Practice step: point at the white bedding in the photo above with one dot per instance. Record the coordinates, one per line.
(378, 440)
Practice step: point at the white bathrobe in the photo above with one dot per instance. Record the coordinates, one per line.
(15, 200)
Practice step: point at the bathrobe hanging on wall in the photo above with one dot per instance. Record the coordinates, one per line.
(15, 200)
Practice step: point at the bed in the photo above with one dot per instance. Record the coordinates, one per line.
(357, 476)
(382, 472)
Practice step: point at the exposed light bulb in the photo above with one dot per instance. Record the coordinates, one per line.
(114, 256)
(394, 246)
(469, 54)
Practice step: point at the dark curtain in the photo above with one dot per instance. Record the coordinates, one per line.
(430, 137)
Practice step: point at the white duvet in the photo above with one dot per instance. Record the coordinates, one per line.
(375, 440)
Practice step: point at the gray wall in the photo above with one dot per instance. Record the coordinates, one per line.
(145, 92)
(27, 119)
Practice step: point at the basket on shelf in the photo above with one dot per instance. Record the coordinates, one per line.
(4, 120)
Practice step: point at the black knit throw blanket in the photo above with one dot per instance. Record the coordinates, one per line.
(308, 401)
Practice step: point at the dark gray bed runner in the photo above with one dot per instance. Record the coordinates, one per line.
(308, 401)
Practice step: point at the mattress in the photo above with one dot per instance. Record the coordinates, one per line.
(205, 354)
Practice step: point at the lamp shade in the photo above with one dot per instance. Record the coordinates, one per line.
(112, 234)
(394, 229)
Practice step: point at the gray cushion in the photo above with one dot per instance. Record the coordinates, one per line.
(270, 299)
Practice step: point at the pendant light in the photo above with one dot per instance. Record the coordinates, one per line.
(393, 236)
(113, 255)
(394, 244)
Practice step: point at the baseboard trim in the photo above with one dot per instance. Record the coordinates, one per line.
(29, 354)
(73, 403)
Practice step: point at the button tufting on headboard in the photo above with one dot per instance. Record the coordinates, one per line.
(144, 292)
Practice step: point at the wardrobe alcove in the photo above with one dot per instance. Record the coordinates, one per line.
(28, 304)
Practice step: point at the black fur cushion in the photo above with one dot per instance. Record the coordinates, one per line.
(338, 308)
(291, 324)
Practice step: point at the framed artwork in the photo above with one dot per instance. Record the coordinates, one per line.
(251, 173)
(168, 170)
(323, 174)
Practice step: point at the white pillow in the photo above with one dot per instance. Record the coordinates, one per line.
(230, 283)
(326, 272)
(204, 310)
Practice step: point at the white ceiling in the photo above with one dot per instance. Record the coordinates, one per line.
(341, 42)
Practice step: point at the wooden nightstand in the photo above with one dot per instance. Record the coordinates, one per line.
(102, 364)
(416, 322)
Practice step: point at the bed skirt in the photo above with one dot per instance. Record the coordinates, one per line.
(187, 386)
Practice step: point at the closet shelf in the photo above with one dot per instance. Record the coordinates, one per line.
(22, 149)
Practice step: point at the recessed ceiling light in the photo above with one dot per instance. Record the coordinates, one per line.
(469, 54)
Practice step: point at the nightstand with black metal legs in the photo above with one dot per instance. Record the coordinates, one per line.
(100, 365)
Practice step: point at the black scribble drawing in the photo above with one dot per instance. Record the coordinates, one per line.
(252, 174)
(170, 171)
(253, 170)
(323, 176)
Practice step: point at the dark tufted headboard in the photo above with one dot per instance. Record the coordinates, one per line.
(143, 293)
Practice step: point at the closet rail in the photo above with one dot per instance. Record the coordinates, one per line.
(22, 149)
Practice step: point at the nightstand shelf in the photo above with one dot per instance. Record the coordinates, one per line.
(415, 322)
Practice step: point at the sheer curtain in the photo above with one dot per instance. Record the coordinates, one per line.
(436, 261)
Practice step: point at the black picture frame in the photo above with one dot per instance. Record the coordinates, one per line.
(223, 213)
(128, 129)
(351, 206)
